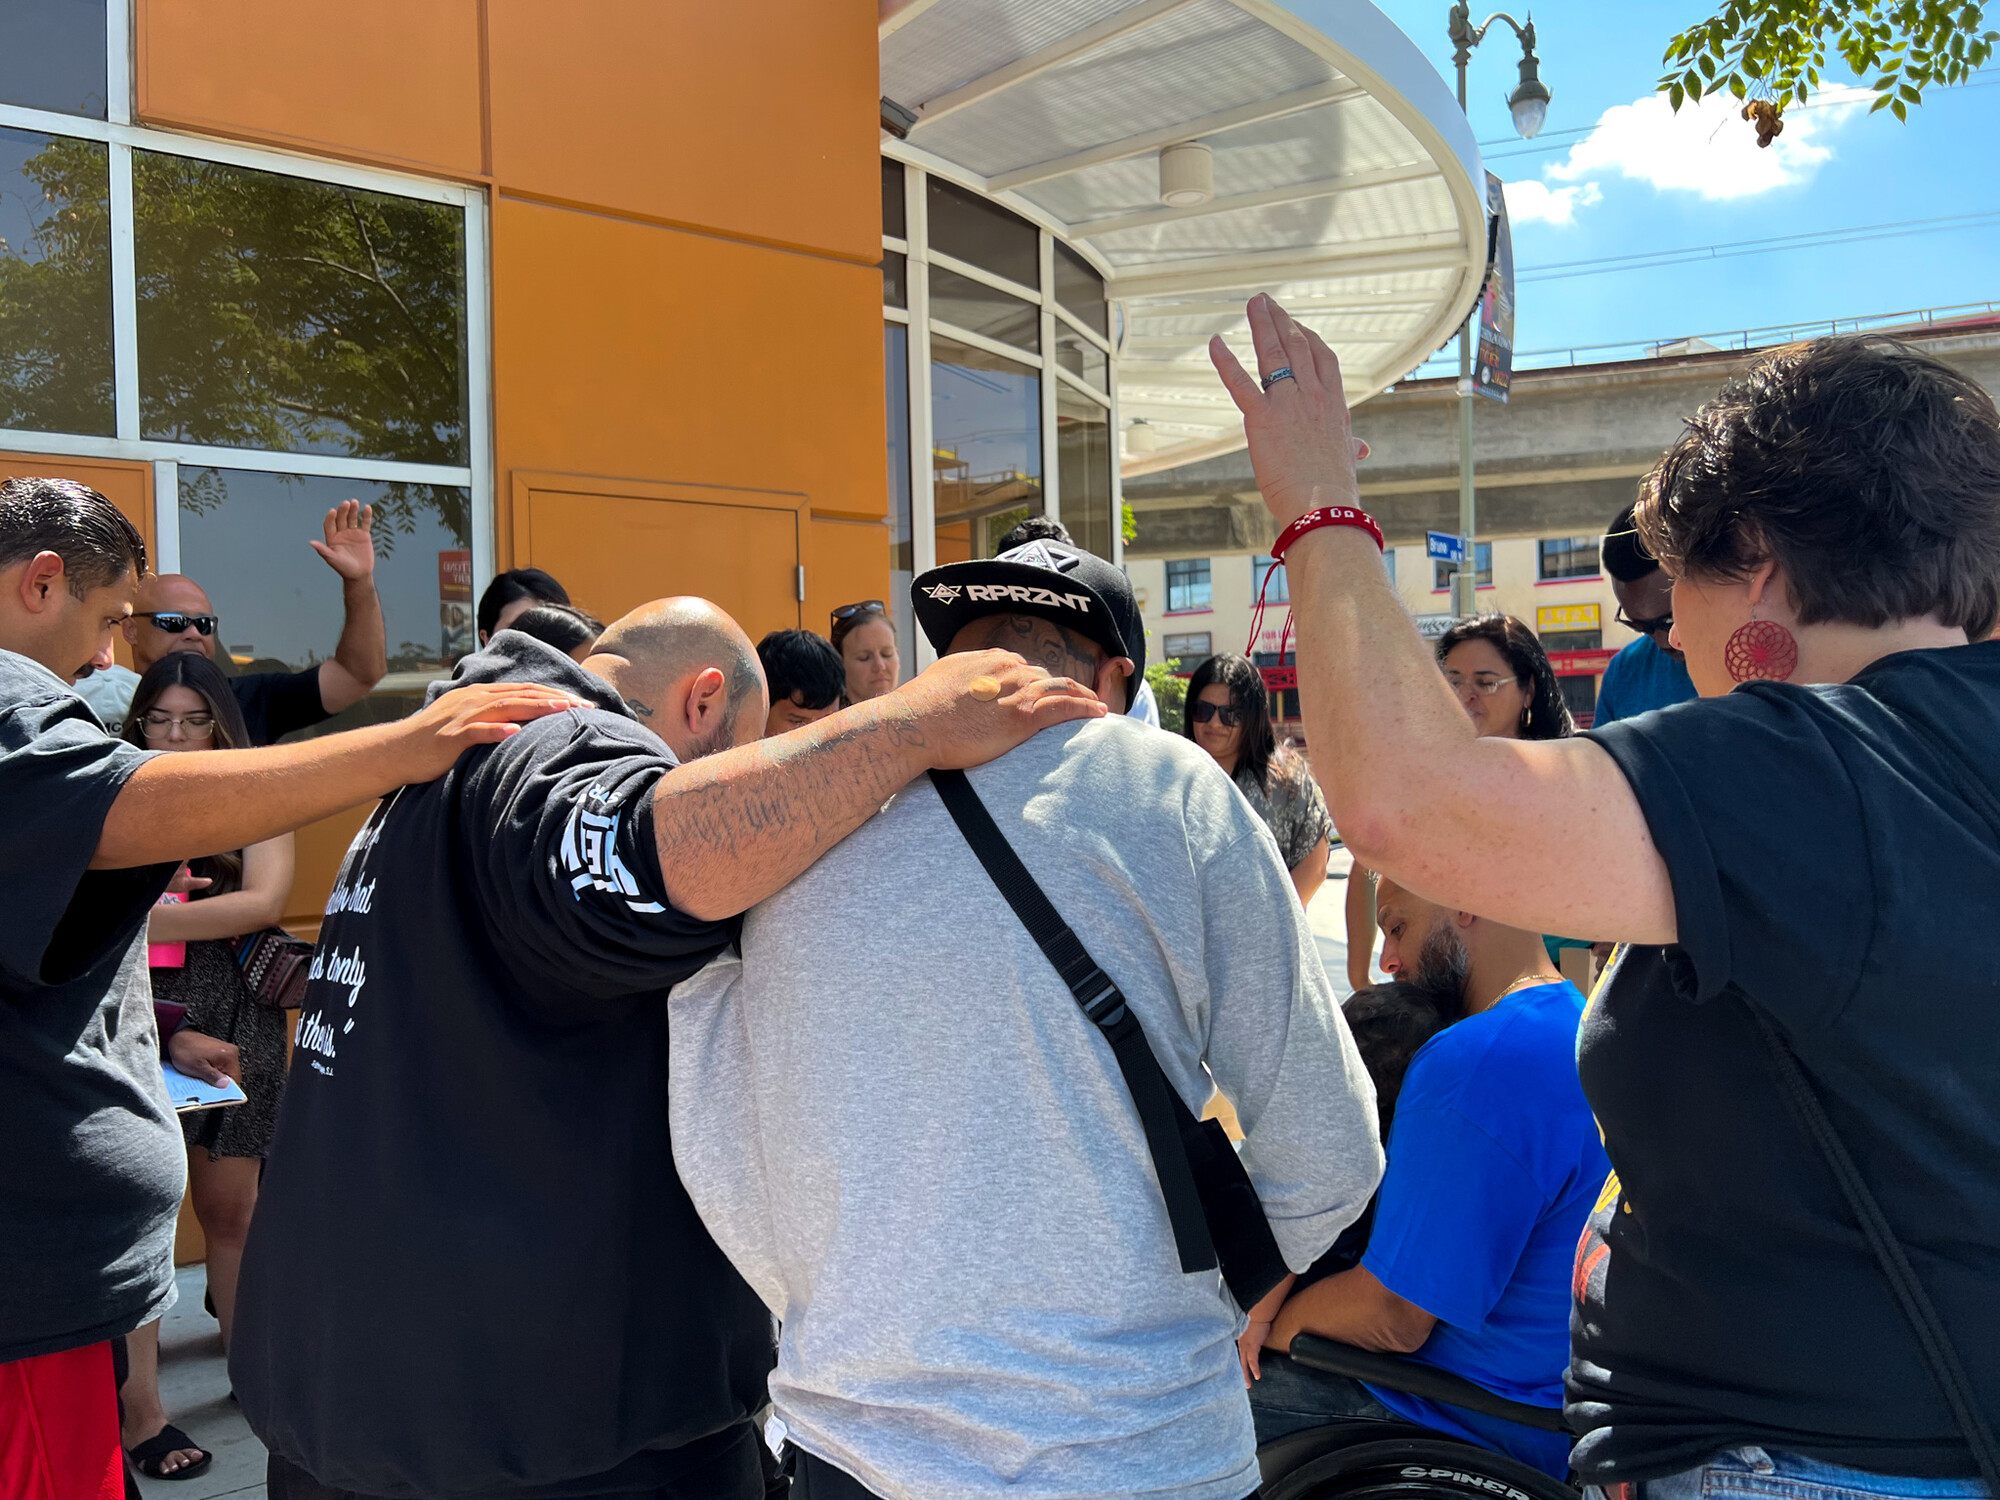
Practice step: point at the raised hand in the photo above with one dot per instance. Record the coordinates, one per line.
(966, 721)
(483, 713)
(349, 548)
(1301, 445)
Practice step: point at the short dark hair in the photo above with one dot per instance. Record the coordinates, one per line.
(1545, 716)
(1034, 529)
(517, 583)
(562, 626)
(802, 666)
(1868, 471)
(1249, 698)
(1390, 1023)
(1624, 551)
(97, 544)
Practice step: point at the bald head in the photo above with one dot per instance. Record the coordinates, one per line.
(689, 673)
(160, 594)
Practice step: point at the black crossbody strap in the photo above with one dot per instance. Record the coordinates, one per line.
(1940, 1357)
(1160, 1108)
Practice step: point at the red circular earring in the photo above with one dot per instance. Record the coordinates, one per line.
(1762, 651)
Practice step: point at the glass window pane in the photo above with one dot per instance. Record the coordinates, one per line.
(1482, 559)
(896, 366)
(892, 200)
(1080, 290)
(986, 456)
(1568, 557)
(243, 539)
(978, 308)
(276, 312)
(1083, 449)
(1192, 649)
(52, 55)
(895, 279)
(1079, 356)
(1188, 584)
(55, 284)
(968, 228)
(1279, 588)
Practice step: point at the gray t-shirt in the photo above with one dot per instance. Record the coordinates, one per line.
(897, 1123)
(94, 1164)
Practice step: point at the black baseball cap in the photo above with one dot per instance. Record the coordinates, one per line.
(1046, 578)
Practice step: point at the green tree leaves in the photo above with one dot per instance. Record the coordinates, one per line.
(1776, 48)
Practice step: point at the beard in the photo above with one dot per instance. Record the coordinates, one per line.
(722, 737)
(1444, 964)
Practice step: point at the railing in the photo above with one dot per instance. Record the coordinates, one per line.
(1735, 340)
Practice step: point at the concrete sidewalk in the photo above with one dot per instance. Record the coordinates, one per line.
(194, 1384)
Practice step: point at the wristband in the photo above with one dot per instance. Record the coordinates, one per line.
(1326, 515)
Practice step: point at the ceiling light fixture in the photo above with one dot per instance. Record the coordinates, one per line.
(1187, 175)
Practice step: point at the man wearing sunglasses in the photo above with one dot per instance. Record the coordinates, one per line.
(173, 613)
(1648, 673)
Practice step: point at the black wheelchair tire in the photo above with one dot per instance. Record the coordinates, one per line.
(1415, 1469)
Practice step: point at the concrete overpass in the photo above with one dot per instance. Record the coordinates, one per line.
(1561, 458)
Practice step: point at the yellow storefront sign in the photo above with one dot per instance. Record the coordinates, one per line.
(1567, 617)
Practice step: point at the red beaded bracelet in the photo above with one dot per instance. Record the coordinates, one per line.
(1326, 515)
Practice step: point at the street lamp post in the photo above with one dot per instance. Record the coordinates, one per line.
(1529, 104)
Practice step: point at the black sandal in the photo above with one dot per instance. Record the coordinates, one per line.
(152, 1453)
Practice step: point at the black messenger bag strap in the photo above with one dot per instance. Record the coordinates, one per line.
(1940, 1356)
(1217, 1218)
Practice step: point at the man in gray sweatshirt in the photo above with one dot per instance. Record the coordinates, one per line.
(899, 1125)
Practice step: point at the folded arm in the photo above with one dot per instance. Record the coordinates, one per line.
(259, 902)
(1354, 1308)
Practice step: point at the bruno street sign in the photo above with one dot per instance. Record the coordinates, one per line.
(1444, 548)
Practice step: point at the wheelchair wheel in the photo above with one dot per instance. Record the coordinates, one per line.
(1414, 1469)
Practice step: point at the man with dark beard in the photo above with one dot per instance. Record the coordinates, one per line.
(1494, 1165)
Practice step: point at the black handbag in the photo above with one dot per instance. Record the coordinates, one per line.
(1216, 1216)
(275, 966)
(1940, 1356)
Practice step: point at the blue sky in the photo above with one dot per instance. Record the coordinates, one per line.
(1638, 182)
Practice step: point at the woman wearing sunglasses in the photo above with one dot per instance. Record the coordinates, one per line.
(1229, 716)
(866, 640)
(184, 703)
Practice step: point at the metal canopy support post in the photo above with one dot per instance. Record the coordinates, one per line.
(1465, 582)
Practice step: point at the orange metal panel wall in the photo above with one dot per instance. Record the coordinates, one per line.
(757, 118)
(650, 353)
(389, 81)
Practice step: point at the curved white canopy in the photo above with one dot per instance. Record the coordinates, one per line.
(1346, 180)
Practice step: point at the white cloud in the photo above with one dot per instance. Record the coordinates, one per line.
(1708, 148)
(1532, 202)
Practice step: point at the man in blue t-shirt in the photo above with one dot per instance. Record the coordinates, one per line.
(1649, 673)
(1494, 1166)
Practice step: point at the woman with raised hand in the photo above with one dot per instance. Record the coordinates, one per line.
(1770, 854)
(1229, 715)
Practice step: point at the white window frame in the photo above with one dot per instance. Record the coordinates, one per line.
(917, 167)
(122, 137)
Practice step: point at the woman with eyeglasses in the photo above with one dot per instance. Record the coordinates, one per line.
(183, 703)
(866, 640)
(1228, 714)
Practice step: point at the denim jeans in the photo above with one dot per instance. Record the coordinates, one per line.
(1289, 1398)
(1758, 1474)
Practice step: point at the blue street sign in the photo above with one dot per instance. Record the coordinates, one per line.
(1444, 548)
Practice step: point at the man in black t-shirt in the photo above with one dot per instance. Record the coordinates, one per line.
(94, 1165)
(173, 613)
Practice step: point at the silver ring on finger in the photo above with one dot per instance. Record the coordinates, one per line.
(1277, 375)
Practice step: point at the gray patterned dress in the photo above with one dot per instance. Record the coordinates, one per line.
(1293, 808)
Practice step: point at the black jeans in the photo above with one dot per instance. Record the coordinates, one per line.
(735, 1474)
(816, 1479)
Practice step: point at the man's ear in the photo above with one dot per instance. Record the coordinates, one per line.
(707, 700)
(1463, 919)
(42, 582)
(1110, 673)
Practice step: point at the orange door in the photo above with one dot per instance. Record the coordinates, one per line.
(614, 552)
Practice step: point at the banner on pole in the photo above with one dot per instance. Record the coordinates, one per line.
(1493, 371)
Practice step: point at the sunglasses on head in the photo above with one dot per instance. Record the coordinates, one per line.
(865, 607)
(173, 622)
(1202, 711)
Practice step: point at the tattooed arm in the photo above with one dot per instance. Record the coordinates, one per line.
(735, 827)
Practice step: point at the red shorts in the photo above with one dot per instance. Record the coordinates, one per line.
(59, 1427)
